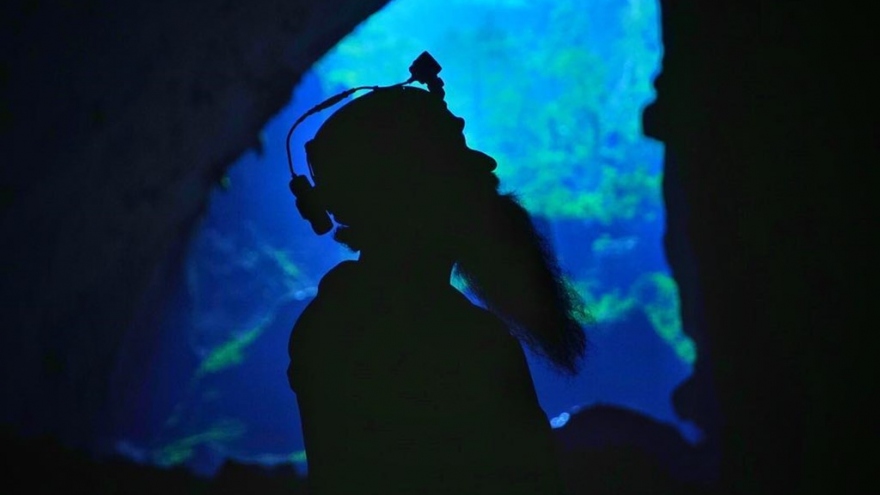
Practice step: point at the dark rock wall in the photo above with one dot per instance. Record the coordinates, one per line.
(116, 120)
(766, 121)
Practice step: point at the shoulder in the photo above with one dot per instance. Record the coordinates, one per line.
(334, 285)
(319, 322)
(339, 278)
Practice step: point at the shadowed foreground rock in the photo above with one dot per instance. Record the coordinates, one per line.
(604, 451)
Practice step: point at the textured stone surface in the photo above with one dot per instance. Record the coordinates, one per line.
(117, 119)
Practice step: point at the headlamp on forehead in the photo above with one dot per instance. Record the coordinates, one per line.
(424, 70)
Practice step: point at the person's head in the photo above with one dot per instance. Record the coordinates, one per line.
(394, 163)
(393, 166)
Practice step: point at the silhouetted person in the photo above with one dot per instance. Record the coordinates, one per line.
(404, 385)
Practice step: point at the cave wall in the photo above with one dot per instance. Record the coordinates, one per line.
(769, 143)
(116, 120)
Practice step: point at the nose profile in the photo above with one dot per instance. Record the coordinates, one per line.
(484, 161)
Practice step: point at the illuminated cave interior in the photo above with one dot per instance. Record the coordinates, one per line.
(554, 91)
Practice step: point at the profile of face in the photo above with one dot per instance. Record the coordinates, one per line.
(393, 168)
(394, 163)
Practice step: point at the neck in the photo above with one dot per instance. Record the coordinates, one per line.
(408, 265)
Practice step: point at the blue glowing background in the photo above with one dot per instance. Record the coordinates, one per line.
(553, 89)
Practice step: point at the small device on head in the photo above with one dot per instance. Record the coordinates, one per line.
(424, 70)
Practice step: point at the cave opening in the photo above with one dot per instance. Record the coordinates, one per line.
(553, 90)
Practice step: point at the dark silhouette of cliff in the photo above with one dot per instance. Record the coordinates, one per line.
(768, 147)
